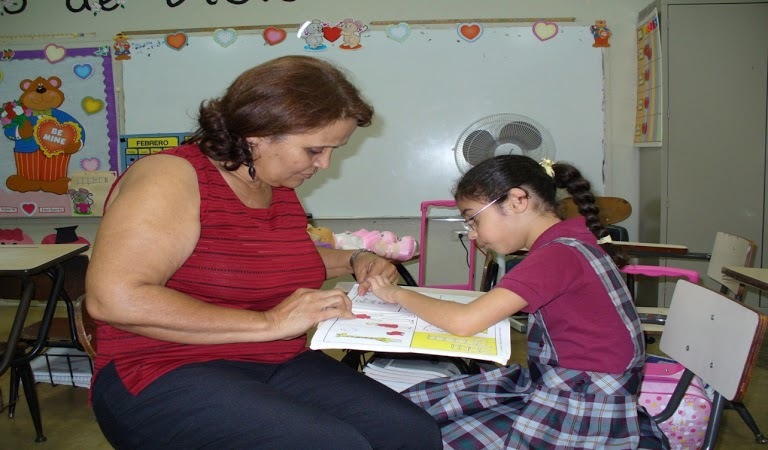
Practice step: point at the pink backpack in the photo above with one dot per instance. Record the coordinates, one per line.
(686, 428)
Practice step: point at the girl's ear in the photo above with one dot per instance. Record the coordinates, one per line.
(517, 199)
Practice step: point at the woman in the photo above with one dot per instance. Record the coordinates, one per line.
(205, 283)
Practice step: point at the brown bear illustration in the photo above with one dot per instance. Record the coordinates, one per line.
(45, 141)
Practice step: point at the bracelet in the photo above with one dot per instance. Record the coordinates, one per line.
(354, 256)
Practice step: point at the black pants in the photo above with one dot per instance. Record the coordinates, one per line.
(310, 402)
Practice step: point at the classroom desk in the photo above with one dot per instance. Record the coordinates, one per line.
(24, 261)
(751, 276)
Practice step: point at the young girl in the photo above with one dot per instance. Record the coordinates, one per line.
(585, 343)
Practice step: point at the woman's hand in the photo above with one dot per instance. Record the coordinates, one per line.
(370, 264)
(305, 308)
(384, 288)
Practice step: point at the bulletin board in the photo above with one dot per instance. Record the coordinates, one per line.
(58, 151)
(427, 86)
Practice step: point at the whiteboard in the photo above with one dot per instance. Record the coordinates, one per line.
(425, 91)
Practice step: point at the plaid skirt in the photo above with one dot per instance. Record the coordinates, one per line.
(504, 409)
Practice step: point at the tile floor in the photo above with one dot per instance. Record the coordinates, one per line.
(68, 422)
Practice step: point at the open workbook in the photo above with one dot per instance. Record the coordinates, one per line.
(387, 327)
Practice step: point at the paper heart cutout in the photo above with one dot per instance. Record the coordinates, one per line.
(91, 105)
(544, 30)
(225, 36)
(90, 164)
(470, 31)
(176, 40)
(83, 71)
(331, 33)
(54, 53)
(645, 128)
(399, 32)
(274, 36)
(648, 51)
(647, 75)
(646, 102)
(54, 137)
(29, 208)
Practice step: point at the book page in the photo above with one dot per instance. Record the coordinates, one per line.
(387, 327)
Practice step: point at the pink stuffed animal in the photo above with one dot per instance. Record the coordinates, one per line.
(387, 245)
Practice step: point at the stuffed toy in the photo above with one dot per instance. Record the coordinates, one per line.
(322, 236)
(384, 243)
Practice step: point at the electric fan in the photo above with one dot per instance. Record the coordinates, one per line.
(503, 134)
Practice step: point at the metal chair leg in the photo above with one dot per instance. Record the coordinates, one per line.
(13, 391)
(747, 418)
(30, 392)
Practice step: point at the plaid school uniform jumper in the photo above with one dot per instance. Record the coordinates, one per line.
(547, 406)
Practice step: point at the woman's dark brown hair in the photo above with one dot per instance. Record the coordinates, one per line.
(287, 95)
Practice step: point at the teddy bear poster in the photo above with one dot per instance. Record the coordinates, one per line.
(59, 142)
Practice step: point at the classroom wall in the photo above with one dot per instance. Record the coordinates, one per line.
(42, 21)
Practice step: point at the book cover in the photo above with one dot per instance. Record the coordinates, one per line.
(387, 327)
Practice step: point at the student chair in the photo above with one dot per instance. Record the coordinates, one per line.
(715, 338)
(425, 206)
(61, 332)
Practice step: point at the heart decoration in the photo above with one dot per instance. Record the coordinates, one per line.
(91, 105)
(648, 51)
(645, 127)
(29, 208)
(176, 41)
(274, 36)
(646, 102)
(54, 53)
(90, 164)
(83, 71)
(647, 75)
(544, 30)
(399, 32)
(331, 33)
(225, 36)
(470, 32)
(54, 137)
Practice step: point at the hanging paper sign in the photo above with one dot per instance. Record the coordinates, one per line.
(54, 53)
(544, 30)
(351, 31)
(331, 33)
(399, 32)
(313, 34)
(83, 71)
(274, 36)
(91, 105)
(225, 36)
(600, 33)
(55, 138)
(470, 32)
(176, 41)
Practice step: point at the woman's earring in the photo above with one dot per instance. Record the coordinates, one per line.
(251, 170)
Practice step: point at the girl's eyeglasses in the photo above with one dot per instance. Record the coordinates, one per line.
(466, 224)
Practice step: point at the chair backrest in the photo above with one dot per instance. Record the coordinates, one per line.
(425, 206)
(714, 337)
(661, 271)
(612, 209)
(86, 327)
(730, 250)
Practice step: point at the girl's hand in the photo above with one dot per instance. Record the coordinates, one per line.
(368, 265)
(384, 288)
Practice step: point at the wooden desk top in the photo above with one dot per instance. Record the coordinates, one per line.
(652, 247)
(751, 276)
(32, 259)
